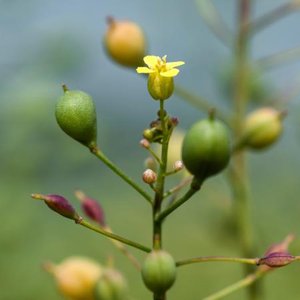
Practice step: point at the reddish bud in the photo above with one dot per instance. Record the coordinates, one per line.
(59, 204)
(276, 259)
(91, 208)
(145, 143)
(149, 176)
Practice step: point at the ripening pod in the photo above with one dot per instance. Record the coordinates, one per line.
(125, 42)
(76, 277)
(160, 87)
(76, 115)
(206, 148)
(262, 128)
(159, 271)
(111, 286)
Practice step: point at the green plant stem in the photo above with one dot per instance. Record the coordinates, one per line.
(195, 187)
(111, 235)
(124, 250)
(238, 172)
(273, 16)
(201, 103)
(159, 188)
(279, 58)
(247, 281)
(178, 187)
(250, 261)
(214, 20)
(98, 153)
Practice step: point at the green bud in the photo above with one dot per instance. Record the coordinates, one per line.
(111, 286)
(76, 115)
(206, 148)
(262, 128)
(160, 87)
(159, 271)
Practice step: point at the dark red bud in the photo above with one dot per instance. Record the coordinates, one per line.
(91, 208)
(58, 204)
(276, 259)
(174, 121)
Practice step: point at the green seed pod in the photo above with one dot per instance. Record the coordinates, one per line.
(111, 286)
(160, 87)
(76, 115)
(206, 148)
(159, 271)
(262, 128)
(125, 42)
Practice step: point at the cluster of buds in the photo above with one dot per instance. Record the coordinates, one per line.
(154, 133)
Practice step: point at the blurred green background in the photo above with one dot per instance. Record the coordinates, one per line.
(47, 43)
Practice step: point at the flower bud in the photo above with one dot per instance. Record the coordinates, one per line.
(91, 208)
(150, 163)
(76, 115)
(276, 259)
(206, 148)
(149, 176)
(159, 271)
(262, 128)
(76, 277)
(178, 165)
(59, 204)
(145, 143)
(111, 286)
(125, 42)
(160, 87)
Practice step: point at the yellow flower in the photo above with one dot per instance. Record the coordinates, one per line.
(160, 65)
(161, 73)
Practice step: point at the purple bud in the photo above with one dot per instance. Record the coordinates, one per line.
(91, 208)
(59, 204)
(276, 259)
(174, 121)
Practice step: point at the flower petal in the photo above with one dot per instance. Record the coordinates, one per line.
(171, 65)
(144, 70)
(170, 73)
(151, 60)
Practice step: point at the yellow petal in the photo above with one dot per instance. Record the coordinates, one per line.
(170, 73)
(144, 70)
(151, 60)
(174, 64)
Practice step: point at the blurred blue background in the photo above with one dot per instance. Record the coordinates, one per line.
(47, 43)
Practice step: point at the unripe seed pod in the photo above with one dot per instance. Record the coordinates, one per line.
(111, 286)
(262, 128)
(91, 208)
(206, 148)
(76, 277)
(160, 87)
(276, 259)
(60, 205)
(76, 115)
(159, 271)
(125, 42)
